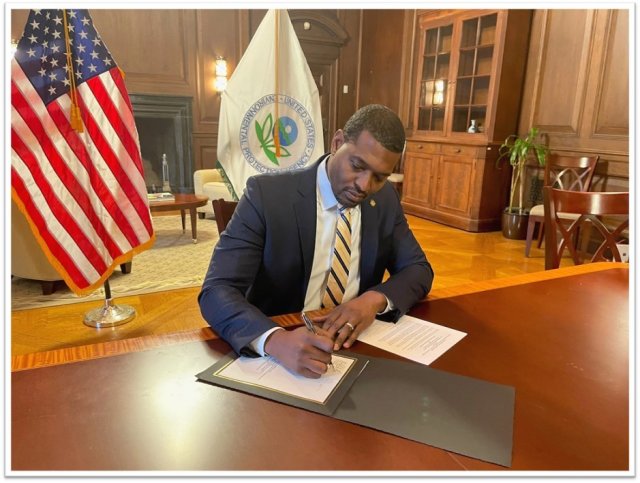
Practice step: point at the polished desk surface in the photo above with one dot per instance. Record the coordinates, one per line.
(561, 341)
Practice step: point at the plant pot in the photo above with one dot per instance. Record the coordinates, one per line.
(514, 224)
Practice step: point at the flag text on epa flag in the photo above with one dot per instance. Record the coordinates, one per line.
(76, 170)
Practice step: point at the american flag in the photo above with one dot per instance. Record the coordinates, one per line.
(82, 190)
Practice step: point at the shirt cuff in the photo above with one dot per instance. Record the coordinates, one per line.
(257, 344)
(388, 308)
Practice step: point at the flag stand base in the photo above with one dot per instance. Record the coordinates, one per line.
(109, 315)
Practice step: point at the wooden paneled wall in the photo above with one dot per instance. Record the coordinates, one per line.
(576, 87)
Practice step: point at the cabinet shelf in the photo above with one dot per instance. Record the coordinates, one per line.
(436, 54)
(471, 48)
(478, 76)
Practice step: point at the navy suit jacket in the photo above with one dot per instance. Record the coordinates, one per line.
(262, 263)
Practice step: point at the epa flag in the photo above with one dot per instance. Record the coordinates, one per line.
(76, 170)
(270, 112)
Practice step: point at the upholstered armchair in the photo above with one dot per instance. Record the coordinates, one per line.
(27, 258)
(209, 182)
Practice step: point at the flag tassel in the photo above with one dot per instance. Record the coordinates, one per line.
(76, 116)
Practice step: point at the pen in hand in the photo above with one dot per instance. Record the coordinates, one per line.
(312, 328)
(309, 324)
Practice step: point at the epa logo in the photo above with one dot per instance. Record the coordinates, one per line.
(277, 137)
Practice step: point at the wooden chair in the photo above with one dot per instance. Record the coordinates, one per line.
(570, 173)
(223, 211)
(588, 209)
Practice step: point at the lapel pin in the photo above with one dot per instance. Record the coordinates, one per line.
(372, 203)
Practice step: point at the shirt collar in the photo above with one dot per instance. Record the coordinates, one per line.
(327, 198)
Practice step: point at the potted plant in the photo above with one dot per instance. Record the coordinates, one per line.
(517, 149)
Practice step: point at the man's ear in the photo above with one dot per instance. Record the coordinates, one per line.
(337, 141)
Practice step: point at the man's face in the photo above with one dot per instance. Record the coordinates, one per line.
(358, 168)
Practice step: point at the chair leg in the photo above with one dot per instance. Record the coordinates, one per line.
(540, 234)
(201, 215)
(48, 287)
(126, 267)
(531, 226)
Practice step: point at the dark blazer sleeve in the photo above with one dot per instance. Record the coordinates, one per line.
(262, 262)
(411, 274)
(232, 270)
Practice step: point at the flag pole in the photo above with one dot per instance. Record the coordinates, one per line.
(109, 315)
(276, 39)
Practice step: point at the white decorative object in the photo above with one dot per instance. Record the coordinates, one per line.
(474, 127)
(165, 174)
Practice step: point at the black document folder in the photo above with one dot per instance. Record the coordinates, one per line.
(455, 413)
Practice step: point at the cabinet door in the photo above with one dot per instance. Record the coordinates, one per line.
(418, 179)
(434, 77)
(475, 55)
(454, 184)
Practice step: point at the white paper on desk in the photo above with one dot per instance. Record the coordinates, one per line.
(415, 339)
(266, 372)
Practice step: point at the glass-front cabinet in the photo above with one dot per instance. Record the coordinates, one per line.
(456, 70)
(469, 75)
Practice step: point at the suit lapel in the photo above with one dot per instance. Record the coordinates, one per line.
(305, 212)
(369, 211)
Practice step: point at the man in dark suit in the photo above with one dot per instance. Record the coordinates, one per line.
(278, 252)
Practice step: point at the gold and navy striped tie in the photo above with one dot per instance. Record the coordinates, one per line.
(339, 274)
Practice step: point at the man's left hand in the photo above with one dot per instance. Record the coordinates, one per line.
(346, 321)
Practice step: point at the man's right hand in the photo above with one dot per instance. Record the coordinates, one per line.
(301, 351)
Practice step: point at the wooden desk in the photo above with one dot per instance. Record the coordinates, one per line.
(561, 341)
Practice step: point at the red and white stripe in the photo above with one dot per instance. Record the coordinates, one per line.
(83, 192)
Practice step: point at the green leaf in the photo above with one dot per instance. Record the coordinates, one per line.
(272, 157)
(267, 127)
(259, 133)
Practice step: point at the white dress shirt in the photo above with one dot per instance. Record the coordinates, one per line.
(326, 221)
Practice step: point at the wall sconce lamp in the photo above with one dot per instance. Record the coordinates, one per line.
(220, 81)
(14, 47)
(438, 95)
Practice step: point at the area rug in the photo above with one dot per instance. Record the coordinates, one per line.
(173, 262)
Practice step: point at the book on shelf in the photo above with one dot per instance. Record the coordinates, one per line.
(165, 196)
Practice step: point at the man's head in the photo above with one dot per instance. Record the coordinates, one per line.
(364, 153)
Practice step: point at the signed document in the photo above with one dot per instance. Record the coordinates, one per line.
(413, 338)
(265, 377)
(266, 372)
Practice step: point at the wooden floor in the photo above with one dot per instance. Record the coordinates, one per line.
(458, 257)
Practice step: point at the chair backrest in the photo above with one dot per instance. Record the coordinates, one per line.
(27, 258)
(223, 211)
(567, 212)
(570, 173)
